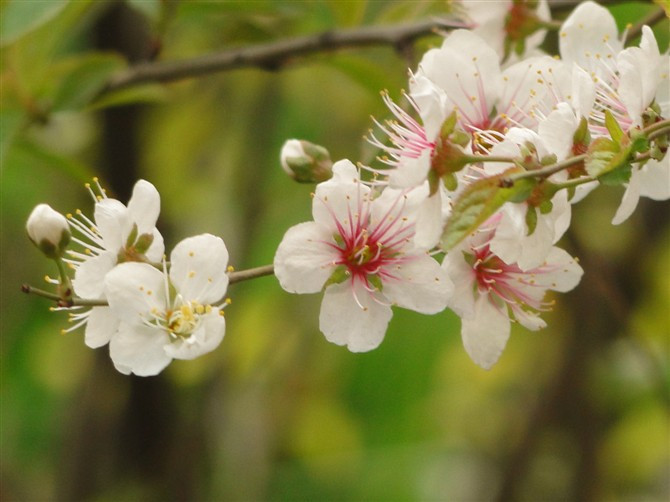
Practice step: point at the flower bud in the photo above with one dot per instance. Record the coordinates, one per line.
(306, 162)
(49, 230)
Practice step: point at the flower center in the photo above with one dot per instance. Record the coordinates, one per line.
(181, 322)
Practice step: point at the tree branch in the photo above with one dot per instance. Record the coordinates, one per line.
(273, 55)
(649, 20)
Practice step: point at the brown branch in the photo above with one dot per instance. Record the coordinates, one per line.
(274, 55)
(252, 273)
(651, 19)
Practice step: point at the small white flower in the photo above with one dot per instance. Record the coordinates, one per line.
(168, 316)
(361, 250)
(491, 293)
(48, 229)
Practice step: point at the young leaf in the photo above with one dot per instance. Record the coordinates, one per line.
(478, 202)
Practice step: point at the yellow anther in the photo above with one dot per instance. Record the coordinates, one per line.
(230, 269)
(191, 274)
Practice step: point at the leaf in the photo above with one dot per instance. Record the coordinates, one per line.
(26, 152)
(11, 120)
(613, 127)
(149, 93)
(85, 80)
(20, 17)
(603, 156)
(617, 176)
(479, 201)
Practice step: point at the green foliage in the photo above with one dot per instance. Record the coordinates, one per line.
(479, 201)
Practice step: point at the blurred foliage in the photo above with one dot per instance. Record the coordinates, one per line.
(277, 412)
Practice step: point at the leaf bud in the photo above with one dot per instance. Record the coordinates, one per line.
(306, 162)
(49, 230)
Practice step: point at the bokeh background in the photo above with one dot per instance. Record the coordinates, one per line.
(578, 411)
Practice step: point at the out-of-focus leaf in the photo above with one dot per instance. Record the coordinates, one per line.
(149, 93)
(24, 152)
(348, 13)
(478, 202)
(150, 8)
(10, 122)
(368, 74)
(20, 17)
(87, 77)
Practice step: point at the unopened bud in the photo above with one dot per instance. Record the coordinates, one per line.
(49, 230)
(306, 162)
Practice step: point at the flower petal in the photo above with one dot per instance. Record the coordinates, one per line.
(139, 350)
(304, 261)
(420, 285)
(89, 277)
(102, 323)
(486, 334)
(111, 219)
(655, 179)
(206, 338)
(198, 268)
(629, 200)
(344, 322)
(134, 290)
(144, 206)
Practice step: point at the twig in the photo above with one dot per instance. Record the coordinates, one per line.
(272, 56)
(251, 273)
(651, 19)
(72, 302)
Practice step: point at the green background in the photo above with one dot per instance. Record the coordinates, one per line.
(576, 411)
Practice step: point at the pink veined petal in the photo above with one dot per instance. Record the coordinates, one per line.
(89, 278)
(139, 350)
(205, 339)
(144, 206)
(100, 327)
(349, 316)
(486, 334)
(629, 200)
(134, 290)
(303, 261)
(198, 268)
(422, 286)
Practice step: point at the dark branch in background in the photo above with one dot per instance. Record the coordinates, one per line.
(650, 20)
(274, 55)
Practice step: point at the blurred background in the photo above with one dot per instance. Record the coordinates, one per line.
(578, 411)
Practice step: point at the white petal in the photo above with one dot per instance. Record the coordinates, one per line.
(507, 242)
(589, 31)
(432, 104)
(583, 91)
(206, 338)
(198, 268)
(133, 290)
(561, 272)
(558, 129)
(429, 222)
(139, 350)
(100, 326)
(344, 322)
(629, 200)
(89, 277)
(111, 218)
(486, 334)
(144, 206)
(157, 249)
(655, 179)
(420, 285)
(462, 300)
(303, 261)
(411, 172)
(529, 320)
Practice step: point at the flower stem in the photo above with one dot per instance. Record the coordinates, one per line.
(71, 302)
(549, 170)
(251, 273)
(489, 158)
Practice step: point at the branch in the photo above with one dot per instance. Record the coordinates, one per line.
(272, 56)
(649, 20)
(251, 273)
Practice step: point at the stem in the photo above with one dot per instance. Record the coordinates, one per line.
(72, 302)
(658, 129)
(651, 19)
(574, 183)
(251, 273)
(274, 55)
(549, 170)
(489, 158)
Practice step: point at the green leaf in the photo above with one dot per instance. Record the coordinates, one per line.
(605, 155)
(149, 93)
(11, 120)
(20, 17)
(613, 127)
(86, 78)
(617, 176)
(30, 153)
(478, 202)
(531, 219)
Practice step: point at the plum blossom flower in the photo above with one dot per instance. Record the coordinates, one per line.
(511, 28)
(360, 249)
(491, 293)
(117, 233)
(168, 316)
(48, 229)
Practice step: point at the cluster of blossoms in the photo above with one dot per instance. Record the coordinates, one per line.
(475, 187)
(125, 295)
